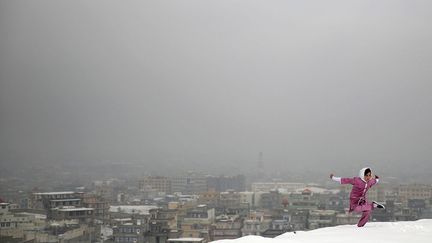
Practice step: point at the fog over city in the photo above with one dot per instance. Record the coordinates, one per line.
(222, 87)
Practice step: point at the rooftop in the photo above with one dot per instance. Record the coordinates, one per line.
(186, 239)
(69, 199)
(73, 209)
(54, 193)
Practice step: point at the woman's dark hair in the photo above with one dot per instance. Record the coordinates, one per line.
(367, 171)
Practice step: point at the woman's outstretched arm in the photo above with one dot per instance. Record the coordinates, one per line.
(338, 179)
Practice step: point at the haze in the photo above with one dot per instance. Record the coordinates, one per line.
(314, 85)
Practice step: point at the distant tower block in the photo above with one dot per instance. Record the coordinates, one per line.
(260, 161)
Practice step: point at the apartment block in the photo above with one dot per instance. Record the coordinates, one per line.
(156, 183)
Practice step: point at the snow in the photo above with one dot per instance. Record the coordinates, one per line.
(383, 232)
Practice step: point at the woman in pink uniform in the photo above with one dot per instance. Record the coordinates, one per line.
(358, 198)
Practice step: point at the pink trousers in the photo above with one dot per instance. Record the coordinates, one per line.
(366, 210)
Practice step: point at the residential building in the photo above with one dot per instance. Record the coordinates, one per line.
(255, 224)
(377, 193)
(247, 198)
(210, 198)
(162, 225)
(271, 200)
(347, 218)
(277, 227)
(321, 218)
(17, 225)
(224, 183)
(298, 219)
(157, 183)
(304, 200)
(63, 206)
(230, 199)
(48, 200)
(106, 189)
(189, 183)
(187, 240)
(414, 191)
(198, 222)
(66, 234)
(227, 227)
(130, 232)
(84, 215)
(280, 186)
(99, 204)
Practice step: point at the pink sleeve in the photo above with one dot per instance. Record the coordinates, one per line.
(347, 181)
(373, 181)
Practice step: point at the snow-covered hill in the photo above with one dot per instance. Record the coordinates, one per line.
(381, 232)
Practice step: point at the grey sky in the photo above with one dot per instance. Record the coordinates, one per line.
(329, 83)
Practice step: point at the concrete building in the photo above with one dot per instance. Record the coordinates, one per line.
(254, 227)
(227, 227)
(332, 202)
(162, 226)
(247, 198)
(129, 210)
(47, 200)
(304, 200)
(7, 207)
(66, 234)
(16, 226)
(377, 193)
(99, 204)
(107, 189)
(414, 191)
(130, 232)
(256, 224)
(280, 186)
(66, 222)
(298, 219)
(347, 218)
(210, 198)
(83, 215)
(63, 206)
(189, 183)
(321, 218)
(229, 199)
(277, 227)
(75, 202)
(271, 200)
(157, 183)
(198, 222)
(187, 240)
(224, 183)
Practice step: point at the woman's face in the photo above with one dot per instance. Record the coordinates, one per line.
(368, 176)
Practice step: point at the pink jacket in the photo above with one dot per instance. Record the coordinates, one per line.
(359, 189)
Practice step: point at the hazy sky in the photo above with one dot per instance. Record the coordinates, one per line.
(308, 83)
